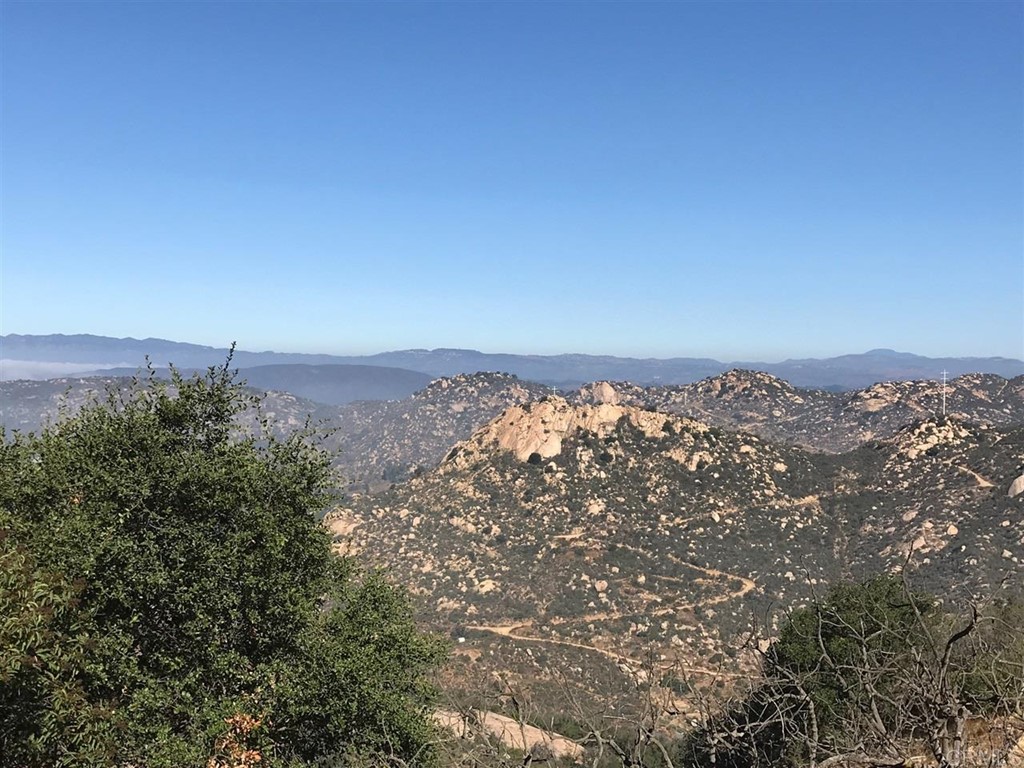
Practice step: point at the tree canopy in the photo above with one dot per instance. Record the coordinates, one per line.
(875, 673)
(169, 599)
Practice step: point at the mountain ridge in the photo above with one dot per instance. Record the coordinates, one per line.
(850, 371)
(379, 442)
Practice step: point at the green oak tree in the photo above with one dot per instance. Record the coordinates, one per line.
(190, 600)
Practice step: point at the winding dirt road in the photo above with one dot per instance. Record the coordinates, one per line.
(627, 664)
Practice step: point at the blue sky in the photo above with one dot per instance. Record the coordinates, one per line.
(732, 180)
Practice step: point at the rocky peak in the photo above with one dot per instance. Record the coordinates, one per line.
(600, 393)
(912, 396)
(611, 393)
(467, 382)
(973, 380)
(539, 428)
(922, 436)
(742, 383)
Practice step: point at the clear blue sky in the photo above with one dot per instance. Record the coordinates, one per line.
(739, 181)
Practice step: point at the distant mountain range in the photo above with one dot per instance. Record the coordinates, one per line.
(41, 357)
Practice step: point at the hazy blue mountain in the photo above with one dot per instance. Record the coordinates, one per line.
(863, 370)
(337, 384)
(327, 384)
(27, 356)
(98, 351)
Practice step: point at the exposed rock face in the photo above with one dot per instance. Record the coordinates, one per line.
(1016, 487)
(512, 733)
(884, 395)
(539, 429)
(601, 393)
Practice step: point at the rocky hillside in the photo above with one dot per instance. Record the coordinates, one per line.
(381, 442)
(566, 535)
(945, 493)
(375, 442)
(817, 419)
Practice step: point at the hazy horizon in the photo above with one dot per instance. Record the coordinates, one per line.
(298, 350)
